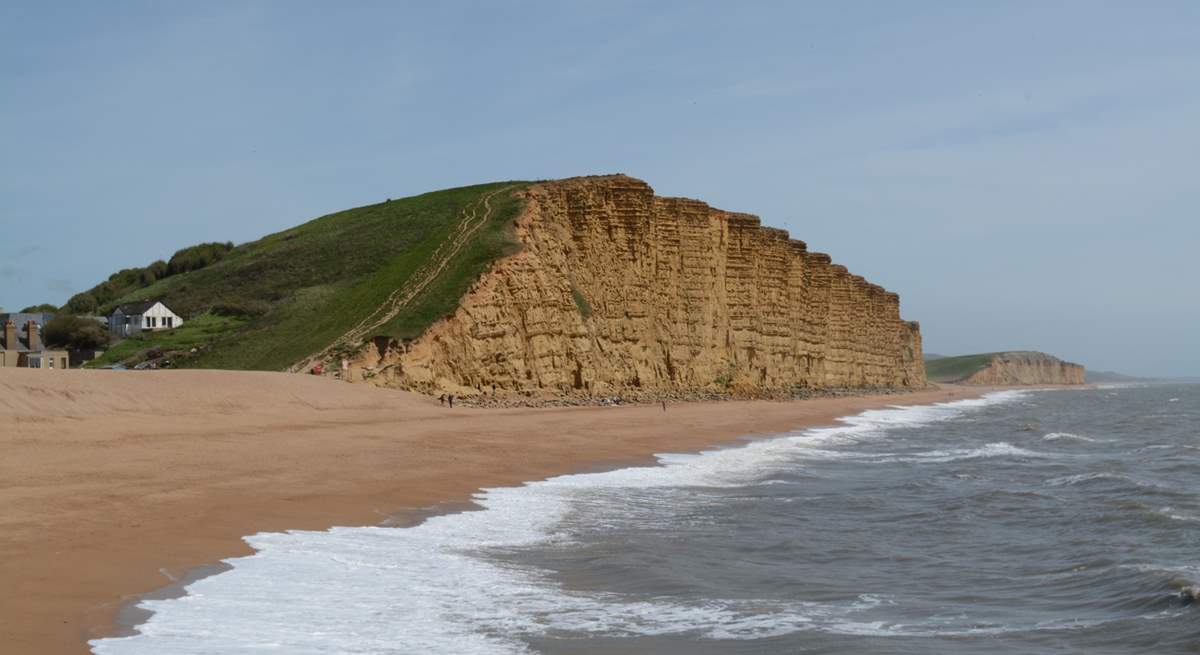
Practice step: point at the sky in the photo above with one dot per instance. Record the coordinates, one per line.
(1026, 175)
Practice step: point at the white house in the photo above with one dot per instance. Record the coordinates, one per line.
(146, 316)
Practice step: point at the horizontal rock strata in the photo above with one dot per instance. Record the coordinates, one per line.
(1027, 368)
(617, 290)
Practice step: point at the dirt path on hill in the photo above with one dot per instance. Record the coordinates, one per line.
(471, 222)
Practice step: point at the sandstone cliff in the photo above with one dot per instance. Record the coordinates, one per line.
(618, 290)
(1006, 368)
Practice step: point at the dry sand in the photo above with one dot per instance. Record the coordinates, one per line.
(112, 482)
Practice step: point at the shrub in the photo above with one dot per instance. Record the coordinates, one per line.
(581, 302)
(44, 307)
(153, 273)
(247, 308)
(194, 258)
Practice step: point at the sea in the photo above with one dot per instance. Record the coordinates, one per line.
(1039, 521)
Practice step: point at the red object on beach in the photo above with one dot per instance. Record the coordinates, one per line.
(318, 369)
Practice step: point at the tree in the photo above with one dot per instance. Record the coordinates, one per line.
(37, 309)
(153, 273)
(75, 333)
(81, 303)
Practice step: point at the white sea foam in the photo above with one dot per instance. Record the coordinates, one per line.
(998, 449)
(432, 588)
(1078, 478)
(1057, 436)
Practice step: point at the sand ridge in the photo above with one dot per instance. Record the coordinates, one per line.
(112, 482)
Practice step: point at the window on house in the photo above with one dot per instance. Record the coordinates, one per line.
(149, 321)
(170, 321)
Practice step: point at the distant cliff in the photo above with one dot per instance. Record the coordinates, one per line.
(617, 289)
(1005, 368)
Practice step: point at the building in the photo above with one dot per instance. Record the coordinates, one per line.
(22, 346)
(145, 316)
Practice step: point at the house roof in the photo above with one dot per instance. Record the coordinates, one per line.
(21, 318)
(21, 321)
(132, 308)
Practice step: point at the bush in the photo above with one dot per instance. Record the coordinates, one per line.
(194, 258)
(153, 273)
(581, 302)
(44, 307)
(74, 333)
(248, 308)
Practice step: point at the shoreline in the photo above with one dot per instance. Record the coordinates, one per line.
(139, 477)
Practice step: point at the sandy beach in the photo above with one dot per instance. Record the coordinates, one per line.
(114, 483)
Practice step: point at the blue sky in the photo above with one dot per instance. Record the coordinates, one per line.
(1024, 174)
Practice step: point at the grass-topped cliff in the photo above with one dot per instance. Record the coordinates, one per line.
(391, 268)
(954, 369)
(1004, 368)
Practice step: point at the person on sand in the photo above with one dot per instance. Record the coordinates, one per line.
(664, 403)
(442, 399)
(450, 399)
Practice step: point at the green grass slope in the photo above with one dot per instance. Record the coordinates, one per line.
(953, 369)
(272, 303)
(203, 332)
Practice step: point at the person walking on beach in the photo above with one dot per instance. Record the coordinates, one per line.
(450, 399)
(664, 403)
(442, 399)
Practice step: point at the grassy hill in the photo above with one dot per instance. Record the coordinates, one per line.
(953, 369)
(391, 268)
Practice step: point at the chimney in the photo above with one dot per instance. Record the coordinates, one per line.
(10, 335)
(31, 329)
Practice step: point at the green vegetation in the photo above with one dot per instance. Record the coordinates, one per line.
(953, 369)
(44, 307)
(196, 257)
(203, 333)
(581, 302)
(104, 297)
(75, 333)
(725, 377)
(295, 292)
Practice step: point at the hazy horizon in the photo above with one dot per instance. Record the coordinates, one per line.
(1022, 175)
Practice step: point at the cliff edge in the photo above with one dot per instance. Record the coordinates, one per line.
(1004, 369)
(618, 290)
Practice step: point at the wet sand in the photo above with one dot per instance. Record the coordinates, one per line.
(114, 483)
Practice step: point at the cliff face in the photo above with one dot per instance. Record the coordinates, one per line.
(1027, 368)
(616, 289)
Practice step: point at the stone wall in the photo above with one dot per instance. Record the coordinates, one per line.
(617, 290)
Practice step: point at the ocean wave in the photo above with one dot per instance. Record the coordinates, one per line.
(1181, 581)
(435, 587)
(950, 629)
(1172, 514)
(1056, 436)
(1083, 478)
(998, 449)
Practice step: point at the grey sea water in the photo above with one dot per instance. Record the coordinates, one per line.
(1055, 521)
